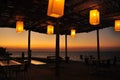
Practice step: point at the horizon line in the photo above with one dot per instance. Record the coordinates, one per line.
(69, 49)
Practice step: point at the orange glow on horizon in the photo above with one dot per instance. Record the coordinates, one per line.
(62, 49)
(12, 40)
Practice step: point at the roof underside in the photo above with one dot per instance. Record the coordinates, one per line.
(76, 14)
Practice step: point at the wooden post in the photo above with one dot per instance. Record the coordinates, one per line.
(57, 49)
(29, 50)
(98, 46)
(66, 56)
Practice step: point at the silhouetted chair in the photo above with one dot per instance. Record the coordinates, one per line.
(114, 60)
(20, 70)
(24, 69)
(81, 57)
(86, 60)
(3, 74)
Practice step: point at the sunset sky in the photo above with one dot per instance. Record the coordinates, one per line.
(18, 41)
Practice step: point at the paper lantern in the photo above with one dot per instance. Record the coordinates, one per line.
(73, 32)
(19, 26)
(55, 8)
(94, 17)
(50, 29)
(117, 25)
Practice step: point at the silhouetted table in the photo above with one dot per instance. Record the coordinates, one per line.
(8, 67)
(9, 63)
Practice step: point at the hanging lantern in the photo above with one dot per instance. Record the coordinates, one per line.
(117, 25)
(55, 8)
(50, 29)
(19, 26)
(73, 32)
(94, 17)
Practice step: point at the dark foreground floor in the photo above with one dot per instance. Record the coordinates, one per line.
(68, 71)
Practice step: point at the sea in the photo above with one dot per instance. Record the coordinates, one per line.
(73, 55)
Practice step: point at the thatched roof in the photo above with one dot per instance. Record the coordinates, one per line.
(76, 14)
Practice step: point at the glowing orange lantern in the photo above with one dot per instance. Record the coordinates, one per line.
(19, 26)
(117, 25)
(73, 32)
(94, 17)
(50, 29)
(55, 8)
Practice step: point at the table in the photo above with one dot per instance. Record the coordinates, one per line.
(9, 67)
(9, 63)
(36, 62)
